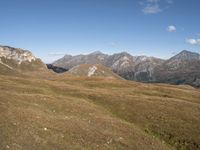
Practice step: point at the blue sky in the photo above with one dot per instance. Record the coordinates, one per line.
(52, 28)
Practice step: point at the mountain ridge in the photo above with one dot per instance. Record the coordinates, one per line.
(142, 68)
(19, 60)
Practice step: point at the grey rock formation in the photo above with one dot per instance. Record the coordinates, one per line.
(19, 59)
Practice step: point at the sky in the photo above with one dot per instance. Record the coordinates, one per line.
(52, 28)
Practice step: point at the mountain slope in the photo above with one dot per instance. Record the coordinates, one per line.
(44, 114)
(19, 60)
(69, 62)
(93, 71)
(96, 113)
(184, 68)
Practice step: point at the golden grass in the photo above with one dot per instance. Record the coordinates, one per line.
(65, 112)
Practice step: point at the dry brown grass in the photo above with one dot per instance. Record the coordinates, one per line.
(65, 112)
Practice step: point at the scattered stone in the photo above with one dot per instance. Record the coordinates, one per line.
(120, 138)
(110, 141)
(66, 117)
(14, 123)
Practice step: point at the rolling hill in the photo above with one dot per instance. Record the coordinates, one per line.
(93, 71)
(67, 112)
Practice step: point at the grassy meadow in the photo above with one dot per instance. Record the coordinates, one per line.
(65, 112)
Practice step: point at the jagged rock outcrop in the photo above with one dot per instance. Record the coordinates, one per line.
(19, 60)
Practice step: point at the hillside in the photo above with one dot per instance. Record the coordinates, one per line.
(66, 112)
(93, 71)
(183, 68)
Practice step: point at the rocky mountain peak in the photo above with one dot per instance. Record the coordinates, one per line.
(186, 55)
(17, 54)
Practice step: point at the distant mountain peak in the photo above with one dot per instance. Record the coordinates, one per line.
(185, 51)
(186, 55)
(67, 56)
(125, 53)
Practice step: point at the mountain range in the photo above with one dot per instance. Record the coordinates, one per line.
(183, 68)
(91, 107)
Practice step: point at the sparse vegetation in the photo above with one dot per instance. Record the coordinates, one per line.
(65, 112)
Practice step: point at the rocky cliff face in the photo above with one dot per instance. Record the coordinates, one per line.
(19, 59)
(18, 55)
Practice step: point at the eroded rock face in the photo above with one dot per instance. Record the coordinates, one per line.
(20, 60)
(91, 71)
(16, 54)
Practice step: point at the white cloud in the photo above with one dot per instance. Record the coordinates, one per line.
(193, 41)
(113, 44)
(171, 28)
(153, 1)
(154, 6)
(151, 9)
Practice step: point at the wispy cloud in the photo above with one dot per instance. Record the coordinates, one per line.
(154, 6)
(56, 54)
(193, 41)
(113, 44)
(151, 9)
(153, 1)
(198, 34)
(169, 1)
(171, 28)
